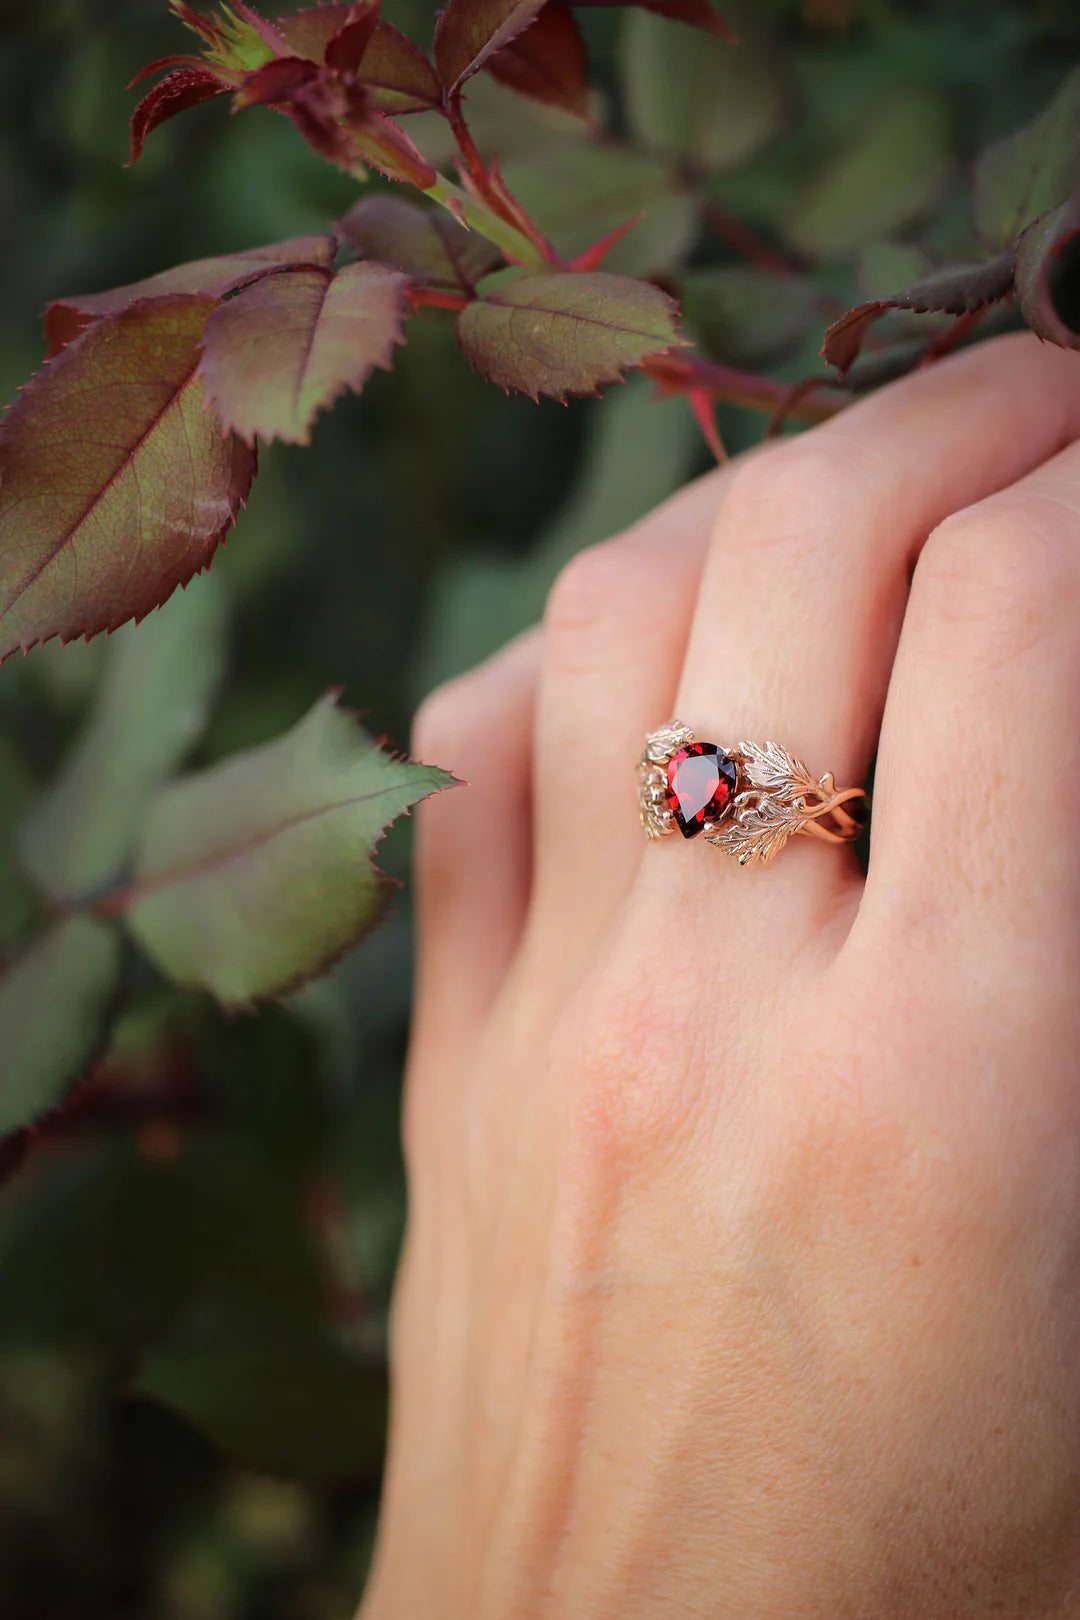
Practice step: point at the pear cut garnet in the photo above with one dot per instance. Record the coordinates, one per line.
(701, 781)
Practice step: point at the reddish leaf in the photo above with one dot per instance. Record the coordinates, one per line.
(347, 47)
(65, 318)
(561, 333)
(1040, 273)
(275, 84)
(116, 480)
(424, 242)
(396, 72)
(469, 32)
(309, 32)
(547, 62)
(184, 88)
(287, 346)
(696, 13)
(384, 145)
(958, 289)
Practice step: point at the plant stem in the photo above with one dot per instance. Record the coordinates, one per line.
(488, 183)
(680, 373)
(744, 240)
(478, 217)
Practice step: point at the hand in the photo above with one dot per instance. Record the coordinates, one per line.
(741, 1277)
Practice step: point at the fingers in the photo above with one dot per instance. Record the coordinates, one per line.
(614, 634)
(804, 591)
(977, 804)
(474, 844)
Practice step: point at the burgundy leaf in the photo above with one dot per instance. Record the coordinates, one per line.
(284, 348)
(424, 242)
(180, 61)
(562, 333)
(178, 91)
(696, 13)
(1039, 270)
(276, 83)
(65, 318)
(547, 62)
(385, 146)
(346, 48)
(957, 289)
(469, 32)
(116, 479)
(309, 32)
(396, 72)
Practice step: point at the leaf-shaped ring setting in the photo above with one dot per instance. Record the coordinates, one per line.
(747, 800)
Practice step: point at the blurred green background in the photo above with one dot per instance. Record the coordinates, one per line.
(196, 1255)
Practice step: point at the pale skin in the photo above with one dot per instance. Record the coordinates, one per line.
(742, 1276)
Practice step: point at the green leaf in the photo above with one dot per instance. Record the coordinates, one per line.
(956, 289)
(65, 318)
(560, 334)
(888, 173)
(55, 1004)
(284, 348)
(746, 316)
(577, 192)
(1048, 276)
(708, 102)
(153, 702)
(18, 787)
(290, 1400)
(468, 32)
(256, 874)
(1030, 171)
(426, 243)
(116, 481)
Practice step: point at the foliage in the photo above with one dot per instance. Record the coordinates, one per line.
(760, 212)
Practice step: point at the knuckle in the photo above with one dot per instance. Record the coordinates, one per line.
(802, 491)
(597, 586)
(636, 1069)
(998, 573)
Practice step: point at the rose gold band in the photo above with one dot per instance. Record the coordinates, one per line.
(747, 800)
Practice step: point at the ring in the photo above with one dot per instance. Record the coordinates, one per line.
(747, 800)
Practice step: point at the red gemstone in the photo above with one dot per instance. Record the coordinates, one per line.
(701, 781)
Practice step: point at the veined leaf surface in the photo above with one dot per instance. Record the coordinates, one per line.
(117, 480)
(54, 1002)
(284, 348)
(257, 873)
(65, 318)
(556, 333)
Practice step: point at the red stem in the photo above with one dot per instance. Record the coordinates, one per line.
(797, 392)
(499, 201)
(744, 240)
(436, 298)
(680, 373)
